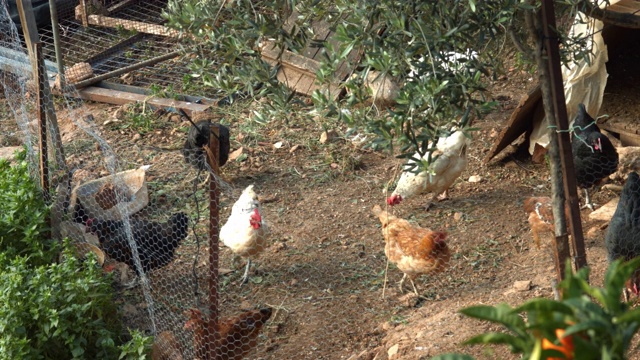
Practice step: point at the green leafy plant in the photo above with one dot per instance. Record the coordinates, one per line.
(23, 213)
(588, 323)
(59, 311)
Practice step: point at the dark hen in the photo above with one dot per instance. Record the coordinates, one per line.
(156, 242)
(594, 156)
(623, 236)
(198, 136)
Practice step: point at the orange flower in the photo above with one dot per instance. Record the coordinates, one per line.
(565, 347)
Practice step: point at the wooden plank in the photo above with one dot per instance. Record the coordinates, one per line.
(629, 135)
(142, 91)
(297, 72)
(142, 27)
(120, 98)
(520, 122)
(625, 6)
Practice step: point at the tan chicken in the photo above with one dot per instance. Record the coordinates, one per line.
(166, 347)
(448, 161)
(238, 334)
(415, 251)
(245, 232)
(541, 216)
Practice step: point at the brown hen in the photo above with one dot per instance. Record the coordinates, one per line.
(238, 334)
(540, 212)
(415, 251)
(166, 347)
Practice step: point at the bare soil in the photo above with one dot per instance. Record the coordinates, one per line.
(324, 271)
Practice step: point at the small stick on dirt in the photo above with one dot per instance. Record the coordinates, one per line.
(278, 308)
(384, 284)
(520, 165)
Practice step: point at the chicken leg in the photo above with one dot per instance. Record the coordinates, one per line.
(587, 200)
(245, 277)
(412, 284)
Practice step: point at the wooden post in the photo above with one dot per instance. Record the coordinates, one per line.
(562, 126)
(40, 78)
(56, 40)
(30, 30)
(212, 335)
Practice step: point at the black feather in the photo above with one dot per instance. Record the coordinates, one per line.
(156, 242)
(623, 236)
(198, 136)
(594, 156)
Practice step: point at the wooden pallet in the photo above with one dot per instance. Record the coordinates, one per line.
(298, 70)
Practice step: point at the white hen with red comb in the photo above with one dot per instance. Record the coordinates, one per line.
(245, 232)
(448, 161)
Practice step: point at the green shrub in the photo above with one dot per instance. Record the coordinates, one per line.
(58, 311)
(597, 324)
(23, 227)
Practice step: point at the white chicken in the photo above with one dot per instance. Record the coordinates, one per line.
(245, 232)
(448, 161)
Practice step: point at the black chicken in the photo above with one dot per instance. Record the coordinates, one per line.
(623, 236)
(594, 156)
(198, 136)
(156, 242)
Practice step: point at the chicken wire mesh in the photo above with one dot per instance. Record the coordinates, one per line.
(144, 213)
(594, 156)
(120, 42)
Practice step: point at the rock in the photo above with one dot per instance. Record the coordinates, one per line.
(8, 152)
(457, 216)
(629, 160)
(120, 112)
(593, 232)
(409, 300)
(522, 285)
(278, 145)
(328, 136)
(129, 310)
(475, 179)
(294, 148)
(605, 212)
(384, 90)
(236, 153)
(393, 351)
(136, 137)
(246, 305)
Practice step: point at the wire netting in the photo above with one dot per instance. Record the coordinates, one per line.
(144, 211)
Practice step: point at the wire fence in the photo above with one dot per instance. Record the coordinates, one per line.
(147, 213)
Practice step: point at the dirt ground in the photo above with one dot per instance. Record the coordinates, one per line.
(324, 270)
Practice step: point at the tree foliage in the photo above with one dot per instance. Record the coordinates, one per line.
(440, 53)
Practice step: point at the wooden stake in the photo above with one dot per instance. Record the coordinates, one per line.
(40, 79)
(562, 126)
(212, 335)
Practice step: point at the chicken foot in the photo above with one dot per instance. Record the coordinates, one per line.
(587, 201)
(415, 290)
(437, 198)
(245, 277)
(443, 196)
